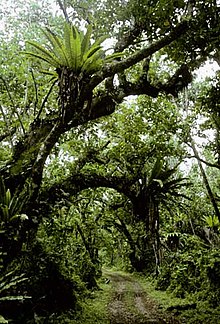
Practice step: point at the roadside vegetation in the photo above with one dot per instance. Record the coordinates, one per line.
(109, 158)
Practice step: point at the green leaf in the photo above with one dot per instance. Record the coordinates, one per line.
(86, 41)
(7, 198)
(113, 56)
(3, 320)
(156, 171)
(99, 41)
(5, 213)
(75, 49)
(158, 181)
(58, 48)
(72, 51)
(43, 54)
(93, 63)
(13, 282)
(7, 298)
(92, 51)
(211, 221)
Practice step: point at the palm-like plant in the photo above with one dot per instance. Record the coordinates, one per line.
(9, 282)
(10, 206)
(162, 181)
(161, 187)
(74, 51)
(212, 221)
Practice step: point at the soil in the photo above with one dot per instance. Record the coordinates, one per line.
(130, 304)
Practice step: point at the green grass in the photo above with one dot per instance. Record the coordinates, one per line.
(163, 298)
(203, 314)
(94, 310)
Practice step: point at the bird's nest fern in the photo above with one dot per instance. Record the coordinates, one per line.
(74, 51)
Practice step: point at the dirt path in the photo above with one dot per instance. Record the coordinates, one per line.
(131, 305)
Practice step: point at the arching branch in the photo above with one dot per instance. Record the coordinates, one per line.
(80, 181)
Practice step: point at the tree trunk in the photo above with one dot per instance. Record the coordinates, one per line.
(146, 209)
(205, 179)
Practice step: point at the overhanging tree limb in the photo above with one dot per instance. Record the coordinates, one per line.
(80, 181)
(111, 69)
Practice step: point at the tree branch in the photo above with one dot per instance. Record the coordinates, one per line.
(62, 6)
(214, 165)
(176, 83)
(205, 179)
(111, 69)
(8, 133)
(128, 38)
(80, 181)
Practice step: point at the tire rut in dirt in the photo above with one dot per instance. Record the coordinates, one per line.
(142, 310)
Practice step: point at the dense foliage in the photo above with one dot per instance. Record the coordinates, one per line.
(109, 150)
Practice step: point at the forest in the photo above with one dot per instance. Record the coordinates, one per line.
(109, 161)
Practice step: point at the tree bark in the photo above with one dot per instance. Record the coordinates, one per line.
(205, 179)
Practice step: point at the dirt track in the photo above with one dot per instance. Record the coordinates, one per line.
(131, 305)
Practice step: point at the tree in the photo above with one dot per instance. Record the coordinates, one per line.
(46, 131)
(154, 54)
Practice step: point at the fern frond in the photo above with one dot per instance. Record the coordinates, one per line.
(75, 49)
(40, 49)
(5, 213)
(100, 40)
(92, 51)
(13, 282)
(93, 63)
(58, 48)
(43, 54)
(8, 298)
(6, 275)
(51, 73)
(85, 43)
(111, 57)
(67, 31)
(7, 198)
(17, 204)
(2, 319)
(42, 58)
(156, 171)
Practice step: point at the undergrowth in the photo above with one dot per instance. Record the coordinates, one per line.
(94, 309)
(189, 310)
